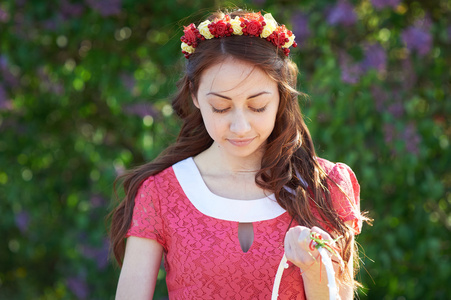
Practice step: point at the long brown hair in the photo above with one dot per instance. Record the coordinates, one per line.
(289, 167)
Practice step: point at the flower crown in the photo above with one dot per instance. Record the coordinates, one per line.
(252, 24)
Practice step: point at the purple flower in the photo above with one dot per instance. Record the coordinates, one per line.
(78, 286)
(3, 62)
(389, 133)
(57, 89)
(22, 221)
(8, 77)
(342, 13)
(69, 10)
(51, 24)
(4, 16)
(380, 4)
(140, 109)
(20, 25)
(380, 97)
(418, 39)
(350, 71)
(382, 101)
(449, 33)
(300, 27)
(396, 109)
(20, 3)
(46, 82)
(14, 126)
(97, 201)
(106, 7)
(5, 103)
(409, 76)
(375, 57)
(128, 80)
(99, 255)
(411, 138)
(424, 23)
(3, 98)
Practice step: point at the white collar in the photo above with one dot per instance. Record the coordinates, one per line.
(218, 207)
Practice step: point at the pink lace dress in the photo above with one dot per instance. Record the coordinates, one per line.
(199, 233)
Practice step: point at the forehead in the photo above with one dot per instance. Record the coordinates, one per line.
(235, 76)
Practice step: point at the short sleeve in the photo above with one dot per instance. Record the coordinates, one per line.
(147, 221)
(346, 200)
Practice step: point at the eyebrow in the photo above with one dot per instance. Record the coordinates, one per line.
(228, 98)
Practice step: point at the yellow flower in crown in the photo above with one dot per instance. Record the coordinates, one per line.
(204, 31)
(253, 24)
(236, 26)
(290, 40)
(187, 48)
(270, 26)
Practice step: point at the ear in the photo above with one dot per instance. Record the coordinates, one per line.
(195, 102)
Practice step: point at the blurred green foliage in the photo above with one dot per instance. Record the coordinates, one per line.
(85, 92)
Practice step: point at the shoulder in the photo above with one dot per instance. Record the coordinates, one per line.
(339, 172)
(169, 172)
(344, 191)
(331, 167)
(153, 183)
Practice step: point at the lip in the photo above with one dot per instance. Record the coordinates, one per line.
(240, 142)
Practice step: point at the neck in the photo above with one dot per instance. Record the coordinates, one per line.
(221, 162)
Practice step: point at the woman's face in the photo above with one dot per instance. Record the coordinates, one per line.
(238, 103)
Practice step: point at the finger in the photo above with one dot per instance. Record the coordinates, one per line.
(297, 246)
(292, 243)
(304, 236)
(324, 234)
(294, 233)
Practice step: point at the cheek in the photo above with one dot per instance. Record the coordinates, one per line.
(214, 124)
(267, 124)
(268, 128)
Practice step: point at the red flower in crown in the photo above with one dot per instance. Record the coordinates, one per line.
(253, 24)
(191, 35)
(253, 28)
(220, 28)
(280, 37)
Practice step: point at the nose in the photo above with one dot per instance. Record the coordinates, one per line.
(239, 124)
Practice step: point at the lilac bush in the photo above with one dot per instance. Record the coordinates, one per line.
(79, 106)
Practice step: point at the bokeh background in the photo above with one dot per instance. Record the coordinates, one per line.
(85, 91)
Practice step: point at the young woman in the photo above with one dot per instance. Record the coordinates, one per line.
(242, 185)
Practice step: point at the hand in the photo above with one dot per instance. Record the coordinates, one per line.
(297, 241)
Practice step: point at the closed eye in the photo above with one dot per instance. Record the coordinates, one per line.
(261, 109)
(219, 111)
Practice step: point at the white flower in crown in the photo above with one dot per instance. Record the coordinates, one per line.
(236, 26)
(204, 30)
(187, 48)
(290, 41)
(270, 26)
